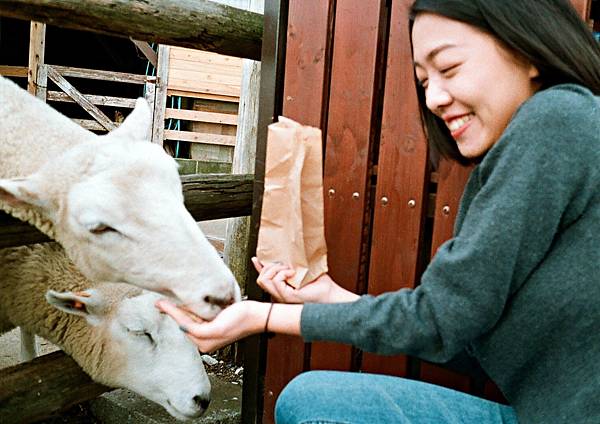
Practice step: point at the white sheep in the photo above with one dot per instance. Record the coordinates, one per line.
(114, 202)
(113, 331)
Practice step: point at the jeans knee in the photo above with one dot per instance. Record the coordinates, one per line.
(297, 395)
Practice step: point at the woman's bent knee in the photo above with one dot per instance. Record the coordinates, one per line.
(307, 395)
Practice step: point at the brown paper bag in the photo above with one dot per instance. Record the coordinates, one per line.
(291, 225)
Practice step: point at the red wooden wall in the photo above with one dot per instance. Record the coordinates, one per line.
(348, 71)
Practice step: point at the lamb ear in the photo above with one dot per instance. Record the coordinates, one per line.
(87, 304)
(20, 192)
(137, 125)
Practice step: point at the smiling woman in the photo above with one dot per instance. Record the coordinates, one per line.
(511, 86)
(453, 69)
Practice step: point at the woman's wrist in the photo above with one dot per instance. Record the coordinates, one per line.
(339, 294)
(282, 317)
(257, 315)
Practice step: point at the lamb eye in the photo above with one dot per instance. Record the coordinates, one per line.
(102, 229)
(144, 334)
(149, 337)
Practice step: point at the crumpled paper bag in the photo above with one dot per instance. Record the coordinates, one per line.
(292, 227)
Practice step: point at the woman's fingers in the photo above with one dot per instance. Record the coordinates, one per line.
(272, 276)
(186, 321)
(256, 263)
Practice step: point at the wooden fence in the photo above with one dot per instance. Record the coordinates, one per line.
(346, 67)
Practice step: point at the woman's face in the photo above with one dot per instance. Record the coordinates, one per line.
(471, 81)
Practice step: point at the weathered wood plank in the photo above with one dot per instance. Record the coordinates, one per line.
(42, 82)
(210, 67)
(37, 52)
(147, 51)
(194, 137)
(198, 24)
(59, 96)
(150, 96)
(196, 95)
(79, 98)
(160, 95)
(193, 55)
(45, 386)
(201, 83)
(206, 197)
(200, 116)
(215, 196)
(96, 74)
(90, 124)
(14, 71)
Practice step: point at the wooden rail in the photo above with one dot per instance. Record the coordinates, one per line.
(45, 386)
(206, 197)
(13, 71)
(198, 24)
(96, 74)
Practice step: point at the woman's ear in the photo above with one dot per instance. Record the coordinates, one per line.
(533, 72)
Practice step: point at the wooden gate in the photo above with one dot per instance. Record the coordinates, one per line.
(345, 66)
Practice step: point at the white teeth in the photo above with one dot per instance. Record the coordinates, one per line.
(456, 124)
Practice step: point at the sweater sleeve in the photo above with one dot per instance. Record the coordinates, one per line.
(530, 186)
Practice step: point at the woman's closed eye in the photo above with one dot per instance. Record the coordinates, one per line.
(448, 71)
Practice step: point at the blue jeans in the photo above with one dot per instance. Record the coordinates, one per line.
(358, 398)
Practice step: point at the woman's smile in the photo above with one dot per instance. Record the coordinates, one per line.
(458, 125)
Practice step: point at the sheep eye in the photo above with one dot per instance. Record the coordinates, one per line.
(102, 229)
(143, 333)
(149, 336)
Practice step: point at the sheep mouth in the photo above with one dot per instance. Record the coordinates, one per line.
(177, 413)
(196, 316)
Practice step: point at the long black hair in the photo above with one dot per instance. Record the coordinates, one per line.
(548, 33)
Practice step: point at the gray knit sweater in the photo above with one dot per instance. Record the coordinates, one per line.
(518, 286)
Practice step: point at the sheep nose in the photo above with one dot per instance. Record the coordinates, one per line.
(218, 301)
(202, 402)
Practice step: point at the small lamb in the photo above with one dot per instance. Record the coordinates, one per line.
(113, 331)
(113, 202)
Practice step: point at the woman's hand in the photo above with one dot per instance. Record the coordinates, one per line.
(322, 290)
(235, 322)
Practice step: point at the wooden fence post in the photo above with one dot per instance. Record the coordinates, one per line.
(160, 95)
(244, 158)
(197, 24)
(37, 49)
(273, 53)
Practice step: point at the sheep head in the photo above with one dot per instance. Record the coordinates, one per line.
(115, 204)
(129, 344)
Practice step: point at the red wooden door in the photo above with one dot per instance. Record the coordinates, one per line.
(347, 168)
(402, 172)
(305, 95)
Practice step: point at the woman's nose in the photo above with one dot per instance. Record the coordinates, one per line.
(437, 97)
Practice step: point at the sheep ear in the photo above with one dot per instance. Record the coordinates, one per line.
(87, 304)
(20, 192)
(137, 125)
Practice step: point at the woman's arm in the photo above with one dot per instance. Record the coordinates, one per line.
(239, 320)
(250, 317)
